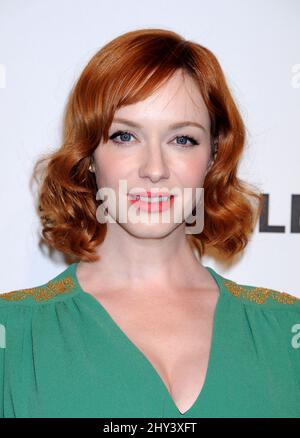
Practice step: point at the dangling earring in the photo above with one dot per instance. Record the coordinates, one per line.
(215, 147)
(214, 151)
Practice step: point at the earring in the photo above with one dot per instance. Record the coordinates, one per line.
(215, 146)
(91, 168)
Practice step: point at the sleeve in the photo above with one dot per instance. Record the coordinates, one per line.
(290, 328)
(3, 323)
(16, 354)
(293, 321)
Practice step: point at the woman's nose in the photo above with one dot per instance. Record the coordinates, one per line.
(154, 165)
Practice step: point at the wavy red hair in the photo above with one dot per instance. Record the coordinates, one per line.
(125, 71)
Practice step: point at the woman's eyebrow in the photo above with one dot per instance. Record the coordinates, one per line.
(172, 126)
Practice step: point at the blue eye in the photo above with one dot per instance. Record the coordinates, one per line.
(187, 137)
(120, 134)
(126, 134)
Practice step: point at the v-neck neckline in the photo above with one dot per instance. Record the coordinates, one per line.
(218, 280)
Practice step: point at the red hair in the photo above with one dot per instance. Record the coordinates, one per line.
(127, 70)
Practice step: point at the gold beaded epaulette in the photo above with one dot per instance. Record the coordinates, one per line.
(259, 295)
(41, 293)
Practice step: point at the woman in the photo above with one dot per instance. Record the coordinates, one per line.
(136, 326)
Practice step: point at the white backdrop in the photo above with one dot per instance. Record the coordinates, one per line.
(45, 44)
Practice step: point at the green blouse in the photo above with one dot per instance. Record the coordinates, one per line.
(62, 355)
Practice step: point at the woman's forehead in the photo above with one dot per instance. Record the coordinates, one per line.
(174, 102)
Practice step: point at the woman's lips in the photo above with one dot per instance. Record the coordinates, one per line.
(153, 206)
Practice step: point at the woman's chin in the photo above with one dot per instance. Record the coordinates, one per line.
(149, 230)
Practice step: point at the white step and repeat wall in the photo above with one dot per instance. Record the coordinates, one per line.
(45, 44)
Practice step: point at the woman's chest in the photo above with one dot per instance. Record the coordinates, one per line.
(174, 336)
(100, 374)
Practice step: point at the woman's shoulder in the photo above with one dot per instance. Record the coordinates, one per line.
(55, 289)
(270, 314)
(261, 297)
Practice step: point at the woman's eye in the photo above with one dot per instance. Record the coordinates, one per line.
(126, 134)
(120, 134)
(187, 137)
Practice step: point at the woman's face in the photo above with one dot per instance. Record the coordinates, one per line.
(151, 155)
